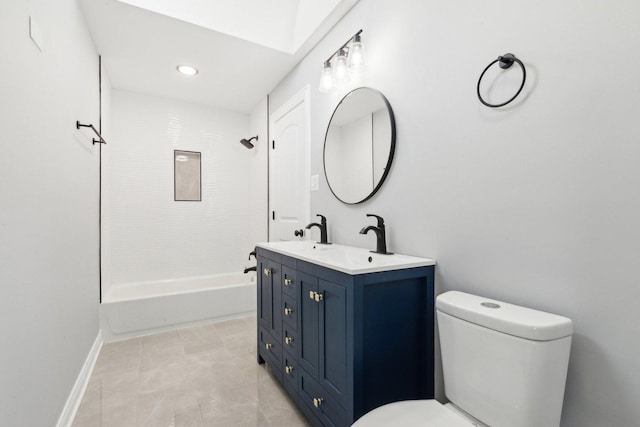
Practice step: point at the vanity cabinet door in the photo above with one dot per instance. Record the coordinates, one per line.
(333, 339)
(323, 333)
(270, 297)
(308, 312)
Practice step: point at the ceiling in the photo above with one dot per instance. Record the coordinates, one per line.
(242, 48)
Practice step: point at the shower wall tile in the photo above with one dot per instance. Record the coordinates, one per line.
(258, 176)
(146, 234)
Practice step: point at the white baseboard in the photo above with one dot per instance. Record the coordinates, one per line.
(77, 392)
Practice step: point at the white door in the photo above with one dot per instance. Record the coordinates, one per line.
(289, 199)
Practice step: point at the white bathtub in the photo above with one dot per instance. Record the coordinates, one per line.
(142, 308)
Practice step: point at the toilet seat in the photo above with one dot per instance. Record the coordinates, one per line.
(427, 413)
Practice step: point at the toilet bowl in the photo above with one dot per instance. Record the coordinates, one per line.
(427, 413)
(503, 365)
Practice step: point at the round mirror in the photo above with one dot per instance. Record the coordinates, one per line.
(359, 145)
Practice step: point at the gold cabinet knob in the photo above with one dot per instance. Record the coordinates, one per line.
(268, 346)
(312, 294)
(317, 401)
(267, 272)
(288, 340)
(288, 369)
(288, 311)
(288, 282)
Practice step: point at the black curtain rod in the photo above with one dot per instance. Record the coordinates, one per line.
(95, 141)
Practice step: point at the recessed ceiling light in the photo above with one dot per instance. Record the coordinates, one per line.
(187, 70)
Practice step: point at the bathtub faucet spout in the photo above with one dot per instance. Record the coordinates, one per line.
(248, 269)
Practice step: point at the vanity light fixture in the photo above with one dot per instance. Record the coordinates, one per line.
(187, 70)
(326, 79)
(341, 73)
(348, 59)
(356, 62)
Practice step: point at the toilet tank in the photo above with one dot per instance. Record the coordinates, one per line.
(503, 364)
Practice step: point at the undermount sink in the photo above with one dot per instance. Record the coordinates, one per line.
(348, 259)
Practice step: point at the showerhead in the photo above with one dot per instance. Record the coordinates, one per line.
(247, 142)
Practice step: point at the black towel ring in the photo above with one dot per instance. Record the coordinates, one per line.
(506, 61)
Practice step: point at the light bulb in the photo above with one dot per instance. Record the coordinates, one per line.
(187, 70)
(341, 73)
(356, 63)
(326, 79)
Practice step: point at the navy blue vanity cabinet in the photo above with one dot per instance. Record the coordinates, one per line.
(349, 343)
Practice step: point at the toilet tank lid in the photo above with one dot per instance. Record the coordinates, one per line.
(504, 317)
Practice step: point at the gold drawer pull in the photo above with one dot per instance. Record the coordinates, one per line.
(267, 272)
(317, 401)
(288, 282)
(288, 369)
(312, 295)
(288, 340)
(288, 311)
(268, 346)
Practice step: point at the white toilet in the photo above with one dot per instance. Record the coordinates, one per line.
(504, 366)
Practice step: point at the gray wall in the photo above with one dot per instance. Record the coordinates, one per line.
(536, 203)
(49, 208)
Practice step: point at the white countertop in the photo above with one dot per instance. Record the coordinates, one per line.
(347, 259)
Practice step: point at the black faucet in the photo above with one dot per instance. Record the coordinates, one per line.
(323, 229)
(381, 237)
(248, 269)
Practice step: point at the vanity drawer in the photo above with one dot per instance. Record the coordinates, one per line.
(290, 370)
(323, 406)
(271, 351)
(289, 311)
(289, 338)
(289, 282)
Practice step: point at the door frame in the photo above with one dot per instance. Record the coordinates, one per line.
(302, 96)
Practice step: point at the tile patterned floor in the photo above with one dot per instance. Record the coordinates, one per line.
(204, 375)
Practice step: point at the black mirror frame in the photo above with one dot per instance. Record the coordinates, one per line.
(392, 148)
